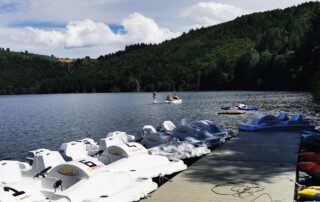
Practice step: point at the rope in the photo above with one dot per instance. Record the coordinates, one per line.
(241, 190)
(265, 194)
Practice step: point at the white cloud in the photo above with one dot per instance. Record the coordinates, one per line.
(44, 38)
(32, 36)
(87, 33)
(71, 36)
(142, 29)
(211, 13)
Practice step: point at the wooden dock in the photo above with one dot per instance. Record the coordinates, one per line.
(253, 167)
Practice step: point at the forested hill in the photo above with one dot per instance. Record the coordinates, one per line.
(274, 50)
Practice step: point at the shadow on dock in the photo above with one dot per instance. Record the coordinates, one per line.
(253, 167)
(249, 158)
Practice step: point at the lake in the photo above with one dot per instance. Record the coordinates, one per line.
(29, 122)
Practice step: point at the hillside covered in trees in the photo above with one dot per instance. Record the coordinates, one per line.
(274, 50)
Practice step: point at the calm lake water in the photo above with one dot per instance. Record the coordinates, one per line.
(29, 122)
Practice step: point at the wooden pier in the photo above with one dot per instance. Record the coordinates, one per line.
(253, 167)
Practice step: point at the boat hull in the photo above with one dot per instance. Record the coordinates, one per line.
(179, 101)
(310, 157)
(312, 193)
(240, 108)
(311, 168)
(232, 112)
(277, 128)
(248, 109)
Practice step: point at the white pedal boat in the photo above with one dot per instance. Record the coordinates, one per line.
(84, 147)
(209, 126)
(84, 180)
(264, 123)
(178, 101)
(120, 155)
(21, 192)
(192, 134)
(18, 181)
(180, 150)
(160, 143)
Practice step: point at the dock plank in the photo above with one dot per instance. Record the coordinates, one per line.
(257, 167)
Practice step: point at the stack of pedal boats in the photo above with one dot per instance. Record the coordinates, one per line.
(281, 122)
(309, 166)
(116, 169)
(185, 140)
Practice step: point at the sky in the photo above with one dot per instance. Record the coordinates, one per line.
(79, 28)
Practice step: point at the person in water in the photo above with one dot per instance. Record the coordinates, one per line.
(154, 95)
(169, 98)
(175, 97)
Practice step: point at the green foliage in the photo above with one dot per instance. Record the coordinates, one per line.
(274, 50)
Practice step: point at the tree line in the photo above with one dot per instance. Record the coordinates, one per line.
(273, 50)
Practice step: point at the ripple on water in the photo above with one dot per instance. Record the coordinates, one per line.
(29, 122)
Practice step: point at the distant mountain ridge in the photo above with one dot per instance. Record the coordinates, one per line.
(273, 50)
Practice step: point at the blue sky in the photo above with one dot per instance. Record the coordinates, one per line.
(78, 28)
(115, 28)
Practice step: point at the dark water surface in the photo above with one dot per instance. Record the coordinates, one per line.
(29, 122)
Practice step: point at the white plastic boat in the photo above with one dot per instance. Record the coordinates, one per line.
(88, 180)
(180, 150)
(178, 101)
(119, 154)
(242, 107)
(19, 181)
(78, 149)
(123, 136)
(135, 158)
(160, 143)
(26, 192)
(151, 137)
(192, 134)
(271, 123)
(84, 180)
(209, 126)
